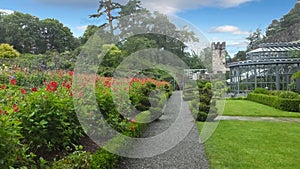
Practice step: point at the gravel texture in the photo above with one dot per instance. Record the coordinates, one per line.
(187, 154)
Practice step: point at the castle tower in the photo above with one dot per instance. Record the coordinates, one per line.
(218, 57)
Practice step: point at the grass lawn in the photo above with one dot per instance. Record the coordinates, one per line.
(249, 145)
(249, 108)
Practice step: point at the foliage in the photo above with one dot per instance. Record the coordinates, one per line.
(261, 91)
(77, 160)
(275, 101)
(289, 95)
(107, 7)
(240, 56)
(49, 116)
(286, 28)
(7, 51)
(10, 143)
(296, 75)
(203, 106)
(28, 34)
(254, 39)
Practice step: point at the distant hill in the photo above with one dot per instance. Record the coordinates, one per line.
(287, 29)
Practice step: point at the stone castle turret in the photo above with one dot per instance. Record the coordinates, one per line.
(218, 57)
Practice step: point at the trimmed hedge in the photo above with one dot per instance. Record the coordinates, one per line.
(276, 102)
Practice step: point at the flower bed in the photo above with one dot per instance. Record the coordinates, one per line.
(37, 115)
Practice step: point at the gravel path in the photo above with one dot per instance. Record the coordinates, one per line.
(188, 154)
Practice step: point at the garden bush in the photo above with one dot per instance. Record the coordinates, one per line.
(49, 121)
(289, 95)
(275, 101)
(7, 51)
(77, 160)
(203, 105)
(261, 91)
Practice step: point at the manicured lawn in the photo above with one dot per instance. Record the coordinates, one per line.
(249, 108)
(259, 145)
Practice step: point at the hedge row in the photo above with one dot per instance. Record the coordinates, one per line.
(275, 101)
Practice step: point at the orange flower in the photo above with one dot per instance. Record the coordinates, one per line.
(132, 128)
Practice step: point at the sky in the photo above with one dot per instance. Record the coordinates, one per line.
(230, 21)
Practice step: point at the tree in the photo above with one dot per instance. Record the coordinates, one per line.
(273, 28)
(30, 35)
(254, 39)
(56, 36)
(136, 43)
(240, 56)
(107, 7)
(21, 31)
(90, 31)
(7, 51)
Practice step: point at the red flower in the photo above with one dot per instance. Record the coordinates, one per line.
(68, 85)
(52, 86)
(15, 107)
(13, 81)
(34, 89)
(71, 73)
(132, 128)
(23, 91)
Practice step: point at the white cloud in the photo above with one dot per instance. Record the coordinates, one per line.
(228, 29)
(6, 11)
(174, 6)
(81, 28)
(164, 6)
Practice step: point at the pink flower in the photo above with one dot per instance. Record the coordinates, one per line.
(133, 121)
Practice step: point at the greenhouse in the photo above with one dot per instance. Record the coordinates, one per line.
(270, 66)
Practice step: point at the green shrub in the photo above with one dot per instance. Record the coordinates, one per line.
(10, 136)
(289, 95)
(261, 91)
(203, 106)
(103, 159)
(49, 120)
(7, 51)
(276, 102)
(76, 160)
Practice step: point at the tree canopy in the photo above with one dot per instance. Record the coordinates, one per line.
(29, 34)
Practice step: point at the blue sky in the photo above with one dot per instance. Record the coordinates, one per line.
(219, 20)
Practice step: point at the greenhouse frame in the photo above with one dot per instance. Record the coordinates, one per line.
(270, 66)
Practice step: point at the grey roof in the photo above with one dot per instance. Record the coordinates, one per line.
(276, 47)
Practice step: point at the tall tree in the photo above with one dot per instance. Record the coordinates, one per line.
(107, 7)
(21, 31)
(57, 36)
(90, 31)
(254, 39)
(240, 56)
